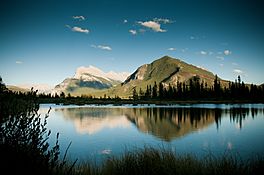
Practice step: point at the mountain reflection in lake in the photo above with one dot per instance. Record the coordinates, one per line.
(187, 129)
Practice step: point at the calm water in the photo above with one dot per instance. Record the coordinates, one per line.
(99, 131)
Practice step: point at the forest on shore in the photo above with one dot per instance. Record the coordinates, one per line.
(193, 92)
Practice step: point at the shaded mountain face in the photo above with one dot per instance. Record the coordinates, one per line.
(91, 78)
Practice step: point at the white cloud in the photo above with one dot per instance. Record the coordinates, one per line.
(203, 52)
(221, 65)
(171, 49)
(238, 71)
(133, 32)
(80, 18)
(234, 64)
(79, 29)
(155, 26)
(163, 20)
(103, 47)
(19, 62)
(227, 52)
(125, 21)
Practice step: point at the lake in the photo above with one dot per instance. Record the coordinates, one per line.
(95, 131)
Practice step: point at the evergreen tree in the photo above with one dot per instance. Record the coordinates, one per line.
(216, 87)
(150, 91)
(184, 89)
(179, 89)
(62, 95)
(191, 88)
(141, 93)
(202, 90)
(147, 94)
(154, 90)
(161, 91)
(239, 80)
(2, 85)
(135, 94)
(170, 92)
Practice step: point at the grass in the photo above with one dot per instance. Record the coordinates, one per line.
(160, 161)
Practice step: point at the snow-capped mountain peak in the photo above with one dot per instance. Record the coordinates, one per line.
(42, 88)
(83, 73)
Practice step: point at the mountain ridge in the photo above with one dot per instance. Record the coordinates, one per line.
(166, 70)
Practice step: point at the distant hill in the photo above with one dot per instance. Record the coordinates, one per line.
(41, 88)
(17, 89)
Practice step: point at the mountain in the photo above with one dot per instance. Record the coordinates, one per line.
(93, 81)
(166, 70)
(17, 88)
(89, 80)
(42, 88)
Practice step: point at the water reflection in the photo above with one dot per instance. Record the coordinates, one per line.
(164, 123)
(237, 115)
(170, 123)
(92, 120)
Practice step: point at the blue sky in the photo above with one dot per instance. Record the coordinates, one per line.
(45, 41)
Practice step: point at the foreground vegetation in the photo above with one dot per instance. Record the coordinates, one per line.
(162, 161)
(24, 146)
(24, 149)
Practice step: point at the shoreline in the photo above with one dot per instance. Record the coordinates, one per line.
(144, 102)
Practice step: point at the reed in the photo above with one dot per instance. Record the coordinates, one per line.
(161, 161)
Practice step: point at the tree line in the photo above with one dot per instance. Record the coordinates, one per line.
(197, 89)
